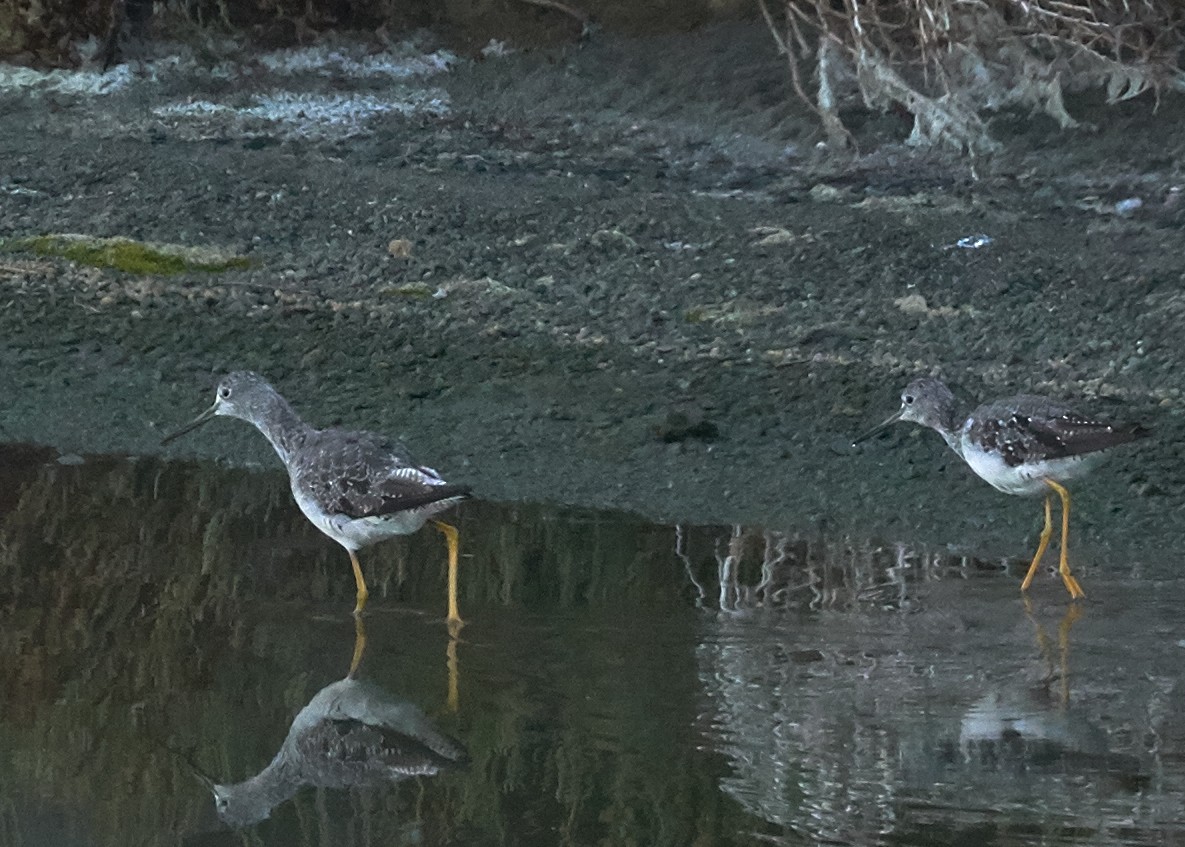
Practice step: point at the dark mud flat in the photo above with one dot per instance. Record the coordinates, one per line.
(607, 241)
(616, 682)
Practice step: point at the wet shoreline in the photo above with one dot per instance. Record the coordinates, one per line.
(659, 275)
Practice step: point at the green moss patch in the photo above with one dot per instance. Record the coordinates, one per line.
(124, 254)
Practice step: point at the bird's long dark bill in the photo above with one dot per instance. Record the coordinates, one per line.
(192, 425)
(190, 766)
(879, 428)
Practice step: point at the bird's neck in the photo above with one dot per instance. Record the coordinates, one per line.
(949, 425)
(283, 428)
(953, 438)
(253, 799)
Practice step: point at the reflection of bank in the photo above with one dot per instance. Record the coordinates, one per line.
(352, 734)
(858, 722)
(746, 569)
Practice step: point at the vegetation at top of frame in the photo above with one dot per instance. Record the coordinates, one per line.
(51, 32)
(124, 254)
(946, 62)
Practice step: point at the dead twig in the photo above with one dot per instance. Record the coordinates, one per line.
(947, 61)
(585, 20)
(837, 134)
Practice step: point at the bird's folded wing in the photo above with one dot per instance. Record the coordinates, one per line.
(359, 476)
(1071, 434)
(349, 750)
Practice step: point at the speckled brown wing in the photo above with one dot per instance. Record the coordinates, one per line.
(345, 752)
(1027, 428)
(361, 475)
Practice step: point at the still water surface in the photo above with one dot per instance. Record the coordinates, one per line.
(617, 682)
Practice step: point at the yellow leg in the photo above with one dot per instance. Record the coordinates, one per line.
(1062, 671)
(1063, 641)
(450, 536)
(1042, 638)
(359, 646)
(362, 592)
(1041, 547)
(1072, 585)
(454, 673)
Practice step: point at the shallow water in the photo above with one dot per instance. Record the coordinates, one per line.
(617, 682)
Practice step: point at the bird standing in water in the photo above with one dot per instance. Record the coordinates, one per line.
(358, 488)
(1019, 445)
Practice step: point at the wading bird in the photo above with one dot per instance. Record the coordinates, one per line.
(358, 488)
(1019, 445)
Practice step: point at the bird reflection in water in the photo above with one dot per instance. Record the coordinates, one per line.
(1062, 670)
(352, 734)
(1035, 729)
(1031, 722)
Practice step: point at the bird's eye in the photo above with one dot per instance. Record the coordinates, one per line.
(907, 399)
(224, 392)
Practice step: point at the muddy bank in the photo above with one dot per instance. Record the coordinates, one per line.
(598, 248)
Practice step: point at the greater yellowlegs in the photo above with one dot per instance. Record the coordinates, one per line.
(1019, 445)
(351, 734)
(358, 488)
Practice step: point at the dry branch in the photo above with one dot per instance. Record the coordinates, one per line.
(949, 61)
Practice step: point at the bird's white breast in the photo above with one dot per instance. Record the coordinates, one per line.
(356, 533)
(329, 524)
(1027, 478)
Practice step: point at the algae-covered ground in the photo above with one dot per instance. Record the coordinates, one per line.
(124, 254)
(615, 274)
